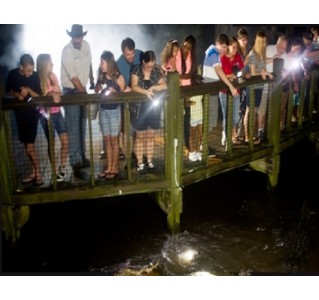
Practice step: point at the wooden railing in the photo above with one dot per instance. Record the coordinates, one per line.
(175, 169)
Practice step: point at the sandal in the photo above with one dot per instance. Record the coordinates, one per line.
(28, 180)
(38, 182)
(235, 141)
(111, 176)
(104, 174)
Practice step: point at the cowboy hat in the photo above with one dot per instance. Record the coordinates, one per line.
(76, 30)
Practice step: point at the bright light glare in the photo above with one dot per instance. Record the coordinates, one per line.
(46, 38)
(295, 64)
(187, 256)
(51, 39)
(155, 102)
(107, 92)
(239, 74)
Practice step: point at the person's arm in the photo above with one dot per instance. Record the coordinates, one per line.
(161, 85)
(263, 72)
(121, 83)
(16, 95)
(67, 65)
(78, 85)
(91, 78)
(219, 71)
(135, 88)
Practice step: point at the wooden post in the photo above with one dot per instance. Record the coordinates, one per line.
(275, 110)
(7, 214)
(173, 152)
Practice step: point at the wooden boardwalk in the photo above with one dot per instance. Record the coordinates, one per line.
(173, 168)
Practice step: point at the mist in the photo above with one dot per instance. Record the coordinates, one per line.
(51, 38)
(34, 39)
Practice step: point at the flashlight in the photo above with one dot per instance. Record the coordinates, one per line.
(295, 64)
(107, 92)
(155, 103)
(237, 71)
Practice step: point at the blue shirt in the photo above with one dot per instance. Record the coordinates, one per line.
(125, 67)
(212, 59)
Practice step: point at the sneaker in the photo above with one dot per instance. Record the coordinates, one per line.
(61, 174)
(102, 155)
(199, 156)
(261, 134)
(223, 140)
(151, 167)
(121, 155)
(192, 156)
(141, 168)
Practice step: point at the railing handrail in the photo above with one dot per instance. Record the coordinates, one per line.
(121, 97)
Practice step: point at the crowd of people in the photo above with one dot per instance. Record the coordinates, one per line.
(139, 71)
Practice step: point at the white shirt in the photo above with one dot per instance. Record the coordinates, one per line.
(271, 51)
(75, 63)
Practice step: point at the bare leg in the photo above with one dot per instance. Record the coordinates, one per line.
(149, 139)
(114, 162)
(64, 139)
(30, 149)
(199, 136)
(246, 124)
(192, 139)
(139, 146)
(109, 155)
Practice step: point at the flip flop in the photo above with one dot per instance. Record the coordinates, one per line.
(111, 176)
(103, 174)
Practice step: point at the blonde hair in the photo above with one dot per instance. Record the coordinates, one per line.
(259, 47)
(167, 52)
(43, 61)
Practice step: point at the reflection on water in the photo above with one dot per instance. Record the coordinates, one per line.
(231, 225)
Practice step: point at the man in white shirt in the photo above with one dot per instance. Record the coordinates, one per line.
(76, 70)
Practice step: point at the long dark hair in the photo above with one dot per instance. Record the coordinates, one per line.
(190, 39)
(113, 70)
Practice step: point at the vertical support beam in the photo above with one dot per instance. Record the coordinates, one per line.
(275, 102)
(52, 149)
(311, 94)
(302, 102)
(251, 116)
(173, 154)
(7, 219)
(89, 117)
(289, 108)
(229, 125)
(205, 138)
(127, 140)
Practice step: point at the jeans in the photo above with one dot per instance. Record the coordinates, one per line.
(75, 117)
(223, 103)
(213, 112)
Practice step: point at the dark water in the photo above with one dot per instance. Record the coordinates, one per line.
(230, 225)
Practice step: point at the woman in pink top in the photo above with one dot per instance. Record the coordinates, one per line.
(50, 87)
(186, 66)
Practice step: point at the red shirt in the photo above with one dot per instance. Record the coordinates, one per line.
(229, 62)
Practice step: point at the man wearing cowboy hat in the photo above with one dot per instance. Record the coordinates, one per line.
(76, 70)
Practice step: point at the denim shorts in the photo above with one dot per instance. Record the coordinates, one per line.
(58, 123)
(110, 121)
(148, 117)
